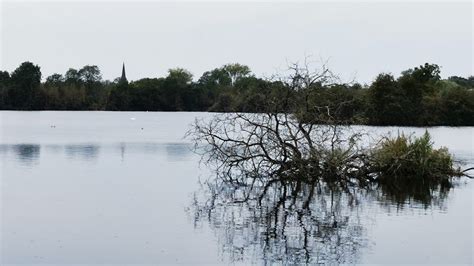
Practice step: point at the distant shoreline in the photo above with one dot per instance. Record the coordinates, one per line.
(418, 97)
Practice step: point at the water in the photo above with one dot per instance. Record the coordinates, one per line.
(125, 188)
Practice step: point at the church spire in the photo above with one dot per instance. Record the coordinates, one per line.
(123, 78)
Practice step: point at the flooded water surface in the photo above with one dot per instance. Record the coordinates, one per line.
(126, 188)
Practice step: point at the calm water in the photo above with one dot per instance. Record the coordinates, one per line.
(124, 188)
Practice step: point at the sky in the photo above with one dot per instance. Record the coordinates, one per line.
(358, 39)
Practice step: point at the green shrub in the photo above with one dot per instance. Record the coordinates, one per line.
(411, 166)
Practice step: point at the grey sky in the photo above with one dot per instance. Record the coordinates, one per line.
(360, 39)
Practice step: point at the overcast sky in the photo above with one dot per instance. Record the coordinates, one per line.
(359, 39)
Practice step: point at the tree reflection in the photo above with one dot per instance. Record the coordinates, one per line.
(297, 222)
(282, 222)
(177, 152)
(425, 195)
(83, 151)
(290, 179)
(27, 153)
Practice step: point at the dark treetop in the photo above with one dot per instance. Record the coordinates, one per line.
(418, 97)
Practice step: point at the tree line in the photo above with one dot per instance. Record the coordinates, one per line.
(418, 97)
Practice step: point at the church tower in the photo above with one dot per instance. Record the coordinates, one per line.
(123, 78)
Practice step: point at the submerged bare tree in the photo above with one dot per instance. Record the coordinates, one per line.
(280, 145)
(285, 177)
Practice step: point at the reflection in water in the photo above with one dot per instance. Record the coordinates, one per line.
(177, 152)
(82, 151)
(29, 153)
(402, 194)
(54, 148)
(282, 222)
(173, 151)
(122, 151)
(294, 222)
(25, 153)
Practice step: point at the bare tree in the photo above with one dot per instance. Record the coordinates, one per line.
(280, 145)
(286, 177)
(253, 149)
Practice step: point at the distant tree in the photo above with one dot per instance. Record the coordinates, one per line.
(216, 77)
(119, 98)
(147, 94)
(418, 97)
(417, 83)
(54, 79)
(90, 74)
(4, 78)
(72, 76)
(180, 76)
(464, 82)
(386, 101)
(236, 71)
(175, 86)
(456, 106)
(251, 94)
(27, 75)
(426, 72)
(227, 75)
(25, 81)
(4, 85)
(224, 103)
(91, 78)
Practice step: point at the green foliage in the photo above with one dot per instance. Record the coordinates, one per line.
(463, 82)
(24, 87)
(217, 77)
(407, 157)
(72, 76)
(54, 80)
(236, 72)
(424, 73)
(457, 106)
(407, 165)
(417, 98)
(344, 103)
(387, 102)
(4, 85)
(224, 103)
(89, 74)
(179, 76)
